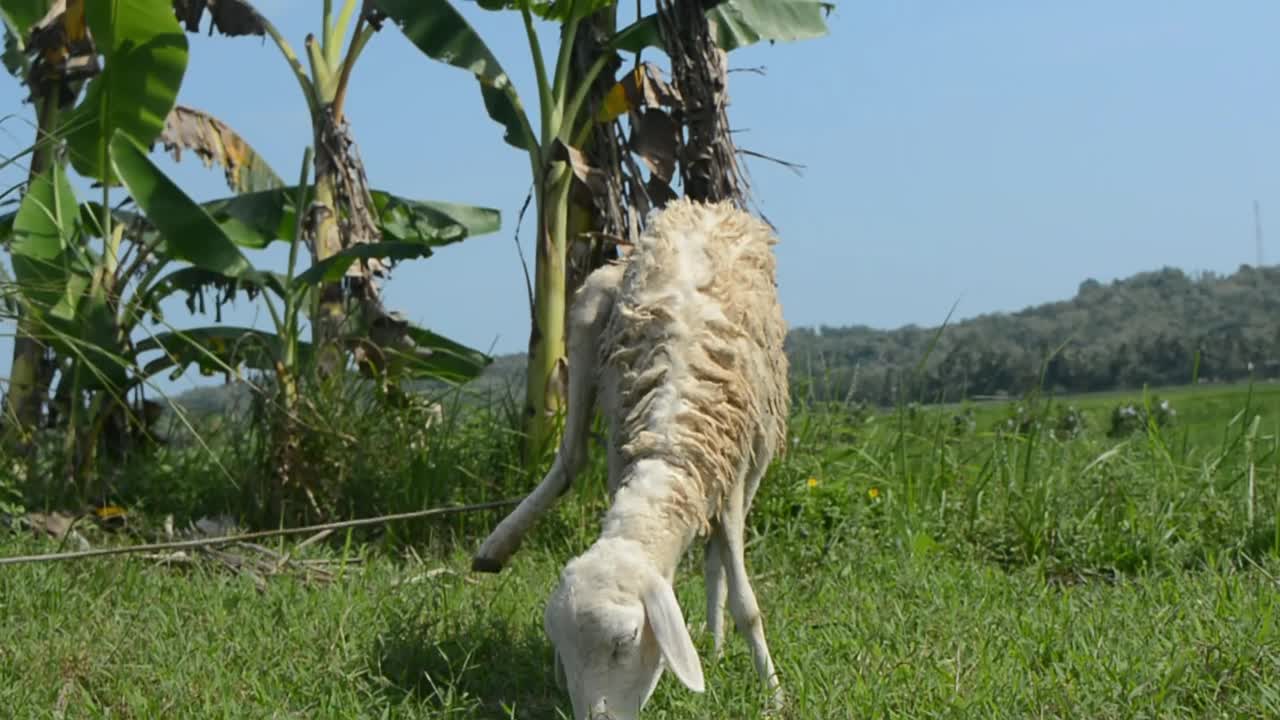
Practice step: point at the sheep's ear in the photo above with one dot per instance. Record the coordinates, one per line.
(560, 675)
(664, 616)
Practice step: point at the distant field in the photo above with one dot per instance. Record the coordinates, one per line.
(1201, 410)
(907, 566)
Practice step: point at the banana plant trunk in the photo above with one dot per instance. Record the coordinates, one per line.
(331, 309)
(708, 159)
(28, 385)
(340, 217)
(599, 211)
(547, 373)
(568, 245)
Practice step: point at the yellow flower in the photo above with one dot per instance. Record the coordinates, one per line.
(813, 482)
(873, 493)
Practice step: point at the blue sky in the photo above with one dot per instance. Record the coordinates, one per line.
(990, 152)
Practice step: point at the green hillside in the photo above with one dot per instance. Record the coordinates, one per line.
(1146, 329)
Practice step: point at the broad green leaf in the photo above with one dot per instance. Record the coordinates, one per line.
(19, 17)
(146, 58)
(255, 220)
(215, 349)
(71, 310)
(195, 280)
(740, 23)
(24, 14)
(75, 285)
(12, 56)
(91, 217)
(637, 36)
(332, 268)
(190, 233)
(557, 10)
(439, 31)
(99, 350)
(432, 222)
(46, 218)
(439, 358)
(43, 230)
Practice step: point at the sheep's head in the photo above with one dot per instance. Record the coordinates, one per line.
(615, 624)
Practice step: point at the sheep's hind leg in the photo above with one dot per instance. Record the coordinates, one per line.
(714, 574)
(591, 308)
(742, 598)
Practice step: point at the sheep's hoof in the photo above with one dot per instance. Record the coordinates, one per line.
(777, 703)
(483, 564)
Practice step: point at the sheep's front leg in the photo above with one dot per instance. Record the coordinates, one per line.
(590, 310)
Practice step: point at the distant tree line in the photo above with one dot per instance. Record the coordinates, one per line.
(1146, 329)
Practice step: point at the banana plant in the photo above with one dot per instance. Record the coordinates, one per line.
(342, 213)
(44, 69)
(178, 246)
(437, 29)
(441, 32)
(207, 242)
(56, 49)
(135, 93)
(410, 230)
(283, 355)
(87, 304)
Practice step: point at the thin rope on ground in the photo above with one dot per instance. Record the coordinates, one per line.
(228, 539)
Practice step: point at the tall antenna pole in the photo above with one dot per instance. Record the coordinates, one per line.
(1257, 229)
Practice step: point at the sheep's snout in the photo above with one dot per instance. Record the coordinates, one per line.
(613, 620)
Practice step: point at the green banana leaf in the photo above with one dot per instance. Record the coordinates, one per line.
(444, 360)
(24, 14)
(740, 23)
(68, 308)
(145, 55)
(557, 10)
(255, 220)
(439, 30)
(43, 233)
(332, 268)
(221, 348)
(194, 281)
(215, 349)
(189, 232)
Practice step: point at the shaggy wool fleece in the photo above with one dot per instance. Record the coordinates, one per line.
(696, 339)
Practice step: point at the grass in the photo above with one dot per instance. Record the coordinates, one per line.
(907, 567)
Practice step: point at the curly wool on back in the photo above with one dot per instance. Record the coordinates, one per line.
(695, 337)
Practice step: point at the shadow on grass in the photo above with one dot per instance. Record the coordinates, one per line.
(489, 668)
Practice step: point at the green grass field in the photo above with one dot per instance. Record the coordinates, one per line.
(907, 566)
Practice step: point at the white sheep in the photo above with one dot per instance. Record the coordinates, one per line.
(683, 339)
